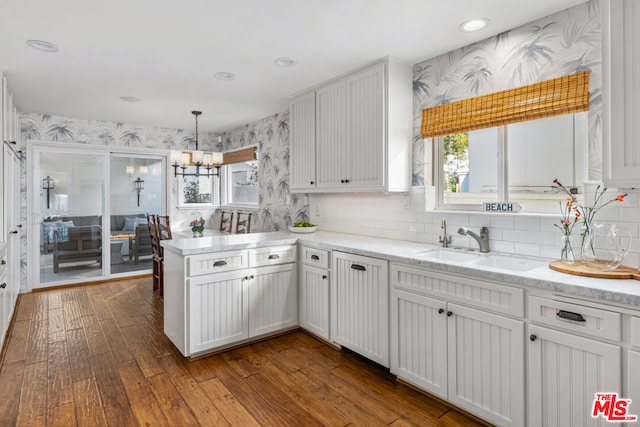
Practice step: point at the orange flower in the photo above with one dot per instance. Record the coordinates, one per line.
(620, 197)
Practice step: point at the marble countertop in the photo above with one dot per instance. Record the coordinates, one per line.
(411, 253)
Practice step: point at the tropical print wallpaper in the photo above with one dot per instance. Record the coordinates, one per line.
(277, 206)
(564, 43)
(270, 134)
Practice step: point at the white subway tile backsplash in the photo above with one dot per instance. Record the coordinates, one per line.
(502, 221)
(383, 215)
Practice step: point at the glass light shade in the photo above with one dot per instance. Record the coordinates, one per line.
(185, 159)
(217, 158)
(143, 169)
(208, 159)
(197, 156)
(175, 157)
(130, 170)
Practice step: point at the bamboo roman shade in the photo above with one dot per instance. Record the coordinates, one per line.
(239, 156)
(563, 95)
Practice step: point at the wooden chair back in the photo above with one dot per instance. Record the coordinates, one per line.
(163, 225)
(226, 221)
(243, 224)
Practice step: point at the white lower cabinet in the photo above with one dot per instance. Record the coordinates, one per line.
(565, 373)
(314, 301)
(210, 310)
(360, 305)
(219, 310)
(569, 362)
(468, 356)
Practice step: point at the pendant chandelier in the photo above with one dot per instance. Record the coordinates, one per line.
(206, 164)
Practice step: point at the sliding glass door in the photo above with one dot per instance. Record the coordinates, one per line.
(136, 190)
(89, 212)
(71, 209)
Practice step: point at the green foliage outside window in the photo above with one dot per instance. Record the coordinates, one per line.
(456, 157)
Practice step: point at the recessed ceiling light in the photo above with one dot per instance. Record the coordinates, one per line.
(285, 62)
(474, 25)
(42, 45)
(130, 99)
(222, 75)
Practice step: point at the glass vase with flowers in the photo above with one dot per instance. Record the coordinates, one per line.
(197, 227)
(585, 214)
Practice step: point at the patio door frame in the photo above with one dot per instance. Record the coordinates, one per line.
(35, 217)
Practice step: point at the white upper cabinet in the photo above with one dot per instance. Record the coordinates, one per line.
(621, 93)
(302, 110)
(10, 126)
(362, 128)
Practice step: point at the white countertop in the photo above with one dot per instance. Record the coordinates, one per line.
(617, 291)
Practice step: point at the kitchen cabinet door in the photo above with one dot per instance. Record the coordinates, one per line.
(302, 155)
(331, 135)
(486, 364)
(366, 166)
(419, 341)
(621, 93)
(565, 373)
(273, 304)
(314, 301)
(218, 310)
(360, 305)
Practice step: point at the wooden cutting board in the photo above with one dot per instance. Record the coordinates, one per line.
(581, 269)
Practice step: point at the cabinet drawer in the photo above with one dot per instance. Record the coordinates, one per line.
(490, 296)
(635, 331)
(590, 321)
(216, 262)
(316, 257)
(273, 255)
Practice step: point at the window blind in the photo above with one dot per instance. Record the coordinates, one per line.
(563, 95)
(239, 156)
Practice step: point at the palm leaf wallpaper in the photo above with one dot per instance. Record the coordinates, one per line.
(560, 44)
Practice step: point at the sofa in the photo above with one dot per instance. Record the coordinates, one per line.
(76, 244)
(53, 224)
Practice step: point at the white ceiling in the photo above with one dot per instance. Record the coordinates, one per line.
(167, 51)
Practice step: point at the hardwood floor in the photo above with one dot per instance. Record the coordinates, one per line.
(96, 356)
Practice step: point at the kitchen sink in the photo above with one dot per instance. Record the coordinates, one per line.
(508, 263)
(449, 255)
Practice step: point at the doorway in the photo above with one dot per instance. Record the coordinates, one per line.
(89, 211)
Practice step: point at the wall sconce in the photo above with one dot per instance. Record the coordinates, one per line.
(197, 158)
(139, 186)
(48, 184)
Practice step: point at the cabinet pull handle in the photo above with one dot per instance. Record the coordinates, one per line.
(568, 315)
(14, 143)
(219, 263)
(274, 256)
(4, 285)
(440, 311)
(533, 337)
(358, 267)
(342, 181)
(251, 277)
(315, 257)
(449, 313)
(324, 277)
(312, 182)
(346, 181)
(13, 232)
(3, 262)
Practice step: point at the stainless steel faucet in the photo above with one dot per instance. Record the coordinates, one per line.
(446, 240)
(482, 239)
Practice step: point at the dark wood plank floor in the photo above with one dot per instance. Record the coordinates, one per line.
(96, 356)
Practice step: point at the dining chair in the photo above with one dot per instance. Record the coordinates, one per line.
(226, 221)
(243, 223)
(155, 249)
